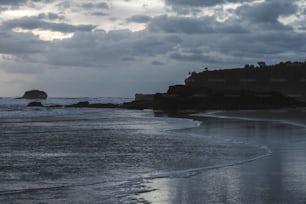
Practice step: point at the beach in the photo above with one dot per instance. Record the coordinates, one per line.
(152, 102)
(278, 177)
(85, 155)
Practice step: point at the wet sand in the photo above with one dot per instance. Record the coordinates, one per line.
(278, 178)
(294, 116)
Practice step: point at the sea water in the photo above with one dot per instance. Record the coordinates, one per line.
(279, 177)
(81, 155)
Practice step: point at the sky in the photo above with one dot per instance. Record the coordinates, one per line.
(72, 48)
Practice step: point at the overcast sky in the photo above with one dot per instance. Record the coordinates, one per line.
(120, 47)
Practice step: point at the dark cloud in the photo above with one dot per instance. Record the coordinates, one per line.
(98, 13)
(157, 63)
(20, 44)
(101, 5)
(139, 19)
(15, 3)
(161, 54)
(12, 2)
(258, 17)
(94, 9)
(169, 37)
(99, 49)
(267, 12)
(39, 1)
(87, 49)
(64, 5)
(35, 22)
(261, 44)
(197, 3)
(51, 16)
(129, 59)
(188, 25)
(193, 58)
(8, 4)
(180, 25)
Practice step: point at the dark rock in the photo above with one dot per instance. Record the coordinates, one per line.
(138, 105)
(35, 104)
(103, 105)
(86, 104)
(229, 99)
(287, 79)
(35, 94)
(144, 97)
(179, 90)
(56, 106)
(82, 104)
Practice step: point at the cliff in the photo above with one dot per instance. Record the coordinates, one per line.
(288, 79)
(275, 86)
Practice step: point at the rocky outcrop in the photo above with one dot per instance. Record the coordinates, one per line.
(276, 86)
(35, 94)
(86, 104)
(225, 100)
(287, 79)
(103, 105)
(35, 104)
(144, 97)
(141, 102)
(138, 105)
(82, 104)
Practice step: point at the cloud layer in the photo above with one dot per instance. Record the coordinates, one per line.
(122, 47)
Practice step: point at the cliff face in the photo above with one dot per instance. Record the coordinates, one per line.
(224, 100)
(277, 86)
(288, 79)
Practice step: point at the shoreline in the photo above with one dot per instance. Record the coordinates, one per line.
(259, 179)
(274, 129)
(289, 116)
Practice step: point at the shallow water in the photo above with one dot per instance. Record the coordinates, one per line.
(278, 178)
(106, 155)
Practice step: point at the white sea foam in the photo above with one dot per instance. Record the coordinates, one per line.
(194, 171)
(218, 114)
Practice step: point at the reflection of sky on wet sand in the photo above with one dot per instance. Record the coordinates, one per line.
(294, 170)
(279, 178)
(195, 189)
(162, 195)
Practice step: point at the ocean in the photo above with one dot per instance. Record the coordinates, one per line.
(82, 155)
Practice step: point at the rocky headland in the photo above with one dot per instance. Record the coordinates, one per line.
(262, 87)
(252, 87)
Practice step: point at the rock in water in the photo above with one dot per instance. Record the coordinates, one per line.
(35, 104)
(35, 94)
(82, 104)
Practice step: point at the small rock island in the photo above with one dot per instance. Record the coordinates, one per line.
(35, 94)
